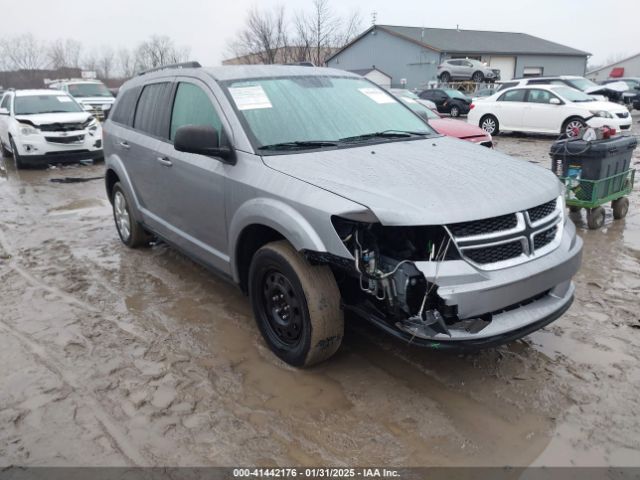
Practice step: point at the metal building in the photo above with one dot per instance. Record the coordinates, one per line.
(628, 67)
(410, 55)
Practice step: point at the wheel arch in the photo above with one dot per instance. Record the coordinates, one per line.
(260, 221)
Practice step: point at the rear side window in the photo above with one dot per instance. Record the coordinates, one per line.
(192, 106)
(125, 107)
(152, 110)
(513, 96)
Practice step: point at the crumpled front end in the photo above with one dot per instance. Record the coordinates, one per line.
(464, 285)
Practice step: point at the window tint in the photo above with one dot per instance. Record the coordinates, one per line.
(125, 107)
(455, 62)
(193, 107)
(513, 96)
(539, 96)
(151, 113)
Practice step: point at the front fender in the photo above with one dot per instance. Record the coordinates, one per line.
(277, 215)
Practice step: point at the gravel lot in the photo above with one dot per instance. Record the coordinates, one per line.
(117, 357)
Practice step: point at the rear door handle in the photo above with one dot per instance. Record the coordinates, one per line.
(125, 145)
(164, 161)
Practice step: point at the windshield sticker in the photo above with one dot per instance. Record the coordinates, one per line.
(64, 99)
(377, 95)
(250, 98)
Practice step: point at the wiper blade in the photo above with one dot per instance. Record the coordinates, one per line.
(384, 134)
(299, 144)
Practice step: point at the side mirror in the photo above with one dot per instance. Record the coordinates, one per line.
(202, 140)
(4, 111)
(555, 101)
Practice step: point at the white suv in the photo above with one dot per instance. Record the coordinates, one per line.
(93, 95)
(39, 127)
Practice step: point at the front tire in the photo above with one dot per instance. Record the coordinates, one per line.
(129, 230)
(445, 77)
(296, 305)
(17, 158)
(454, 111)
(478, 77)
(570, 124)
(490, 124)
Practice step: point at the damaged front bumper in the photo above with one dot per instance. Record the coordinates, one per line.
(490, 307)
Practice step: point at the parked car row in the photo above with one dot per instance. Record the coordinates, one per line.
(543, 108)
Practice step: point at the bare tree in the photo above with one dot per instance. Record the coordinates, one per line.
(263, 38)
(105, 62)
(23, 52)
(126, 63)
(157, 51)
(64, 53)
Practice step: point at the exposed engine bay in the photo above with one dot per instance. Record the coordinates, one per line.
(388, 279)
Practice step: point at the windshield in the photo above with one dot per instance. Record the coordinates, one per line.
(33, 104)
(81, 90)
(572, 94)
(317, 109)
(582, 83)
(455, 93)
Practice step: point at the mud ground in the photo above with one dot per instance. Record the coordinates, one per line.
(116, 357)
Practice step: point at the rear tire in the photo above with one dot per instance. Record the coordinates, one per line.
(129, 230)
(595, 218)
(490, 124)
(454, 111)
(296, 305)
(620, 207)
(445, 77)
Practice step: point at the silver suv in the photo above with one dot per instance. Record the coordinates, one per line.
(319, 193)
(466, 69)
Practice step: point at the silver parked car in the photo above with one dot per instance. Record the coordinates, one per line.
(319, 193)
(466, 69)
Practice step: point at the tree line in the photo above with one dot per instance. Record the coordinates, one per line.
(276, 36)
(28, 53)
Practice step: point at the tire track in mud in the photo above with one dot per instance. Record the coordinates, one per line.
(118, 438)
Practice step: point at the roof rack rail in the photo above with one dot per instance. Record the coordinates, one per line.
(173, 65)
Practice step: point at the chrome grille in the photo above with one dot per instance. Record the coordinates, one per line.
(507, 240)
(483, 227)
(495, 253)
(541, 211)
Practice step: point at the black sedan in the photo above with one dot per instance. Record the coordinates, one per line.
(448, 100)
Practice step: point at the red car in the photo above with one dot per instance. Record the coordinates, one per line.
(446, 126)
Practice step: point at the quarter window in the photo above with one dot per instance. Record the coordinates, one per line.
(125, 107)
(192, 106)
(513, 96)
(151, 113)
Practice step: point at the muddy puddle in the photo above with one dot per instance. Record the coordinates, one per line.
(118, 357)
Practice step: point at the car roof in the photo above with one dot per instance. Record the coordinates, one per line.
(27, 93)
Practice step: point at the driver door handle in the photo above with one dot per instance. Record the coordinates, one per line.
(164, 161)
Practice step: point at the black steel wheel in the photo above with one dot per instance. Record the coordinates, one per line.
(478, 77)
(595, 218)
(296, 305)
(620, 207)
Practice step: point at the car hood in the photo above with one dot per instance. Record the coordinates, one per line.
(433, 181)
(456, 128)
(606, 106)
(45, 118)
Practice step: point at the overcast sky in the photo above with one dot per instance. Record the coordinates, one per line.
(603, 28)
